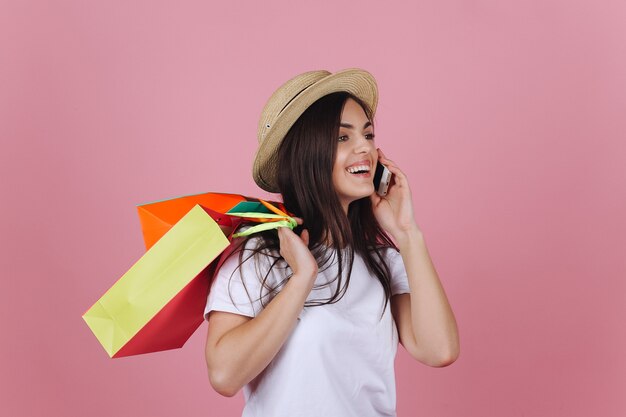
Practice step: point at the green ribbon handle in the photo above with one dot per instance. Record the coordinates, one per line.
(289, 222)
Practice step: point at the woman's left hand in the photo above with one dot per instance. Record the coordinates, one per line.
(394, 211)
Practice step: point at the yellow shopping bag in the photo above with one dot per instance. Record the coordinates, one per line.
(154, 306)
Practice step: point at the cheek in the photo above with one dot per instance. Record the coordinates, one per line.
(340, 159)
(337, 174)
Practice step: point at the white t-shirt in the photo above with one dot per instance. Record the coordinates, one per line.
(339, 359)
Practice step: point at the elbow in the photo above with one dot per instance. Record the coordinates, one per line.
(445, 361)
(220, 378)
(448, 359)
(225, 391)
(222, 384)
(443, 358)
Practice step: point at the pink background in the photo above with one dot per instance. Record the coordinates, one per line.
(508, 118)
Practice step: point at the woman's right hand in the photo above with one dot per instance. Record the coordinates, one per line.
(295, 250)
(238, 347)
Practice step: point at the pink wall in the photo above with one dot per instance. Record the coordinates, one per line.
(508, 118)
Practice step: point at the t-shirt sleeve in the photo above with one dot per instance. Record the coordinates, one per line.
(238, 289)
(399, 279)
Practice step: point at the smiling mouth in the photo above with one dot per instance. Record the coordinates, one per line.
(359, 170)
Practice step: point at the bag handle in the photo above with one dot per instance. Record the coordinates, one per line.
(268, 221)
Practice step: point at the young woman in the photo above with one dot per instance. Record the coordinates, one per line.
(307, 321)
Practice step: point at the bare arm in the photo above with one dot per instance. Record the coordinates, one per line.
(424, 317)
(238, 347)
(426, 323)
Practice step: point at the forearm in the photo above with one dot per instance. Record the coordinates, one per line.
(432, 319)
(241, 354)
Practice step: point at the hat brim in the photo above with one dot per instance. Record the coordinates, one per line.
(353, 80)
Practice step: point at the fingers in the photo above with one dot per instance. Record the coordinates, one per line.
(393, 167)
(398, 176)
(285, 233)
(281, 235)
(294, 250)
(305, 237)
(285, 237)
(396, 171)
(383, 158)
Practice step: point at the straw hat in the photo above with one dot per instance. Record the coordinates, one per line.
(291, 99)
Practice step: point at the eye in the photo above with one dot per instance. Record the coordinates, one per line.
(371, 136)
(342, 138)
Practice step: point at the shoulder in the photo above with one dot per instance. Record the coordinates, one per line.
(392, 257)
(248, 253)
(389, 253)
(250, 245)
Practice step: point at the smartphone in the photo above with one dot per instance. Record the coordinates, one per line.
(382, 178)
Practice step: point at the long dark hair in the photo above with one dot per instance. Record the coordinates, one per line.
(305, 161)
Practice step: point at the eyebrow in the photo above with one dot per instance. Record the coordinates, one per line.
(349, 126)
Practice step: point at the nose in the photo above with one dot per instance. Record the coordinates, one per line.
(362, 145)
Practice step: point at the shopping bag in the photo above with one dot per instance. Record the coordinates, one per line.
(158, 217)
(159, 302)
(154, 306)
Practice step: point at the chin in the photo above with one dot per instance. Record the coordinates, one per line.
(356, 193)
(364, 194)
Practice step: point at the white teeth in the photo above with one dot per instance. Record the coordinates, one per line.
(352, 170)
